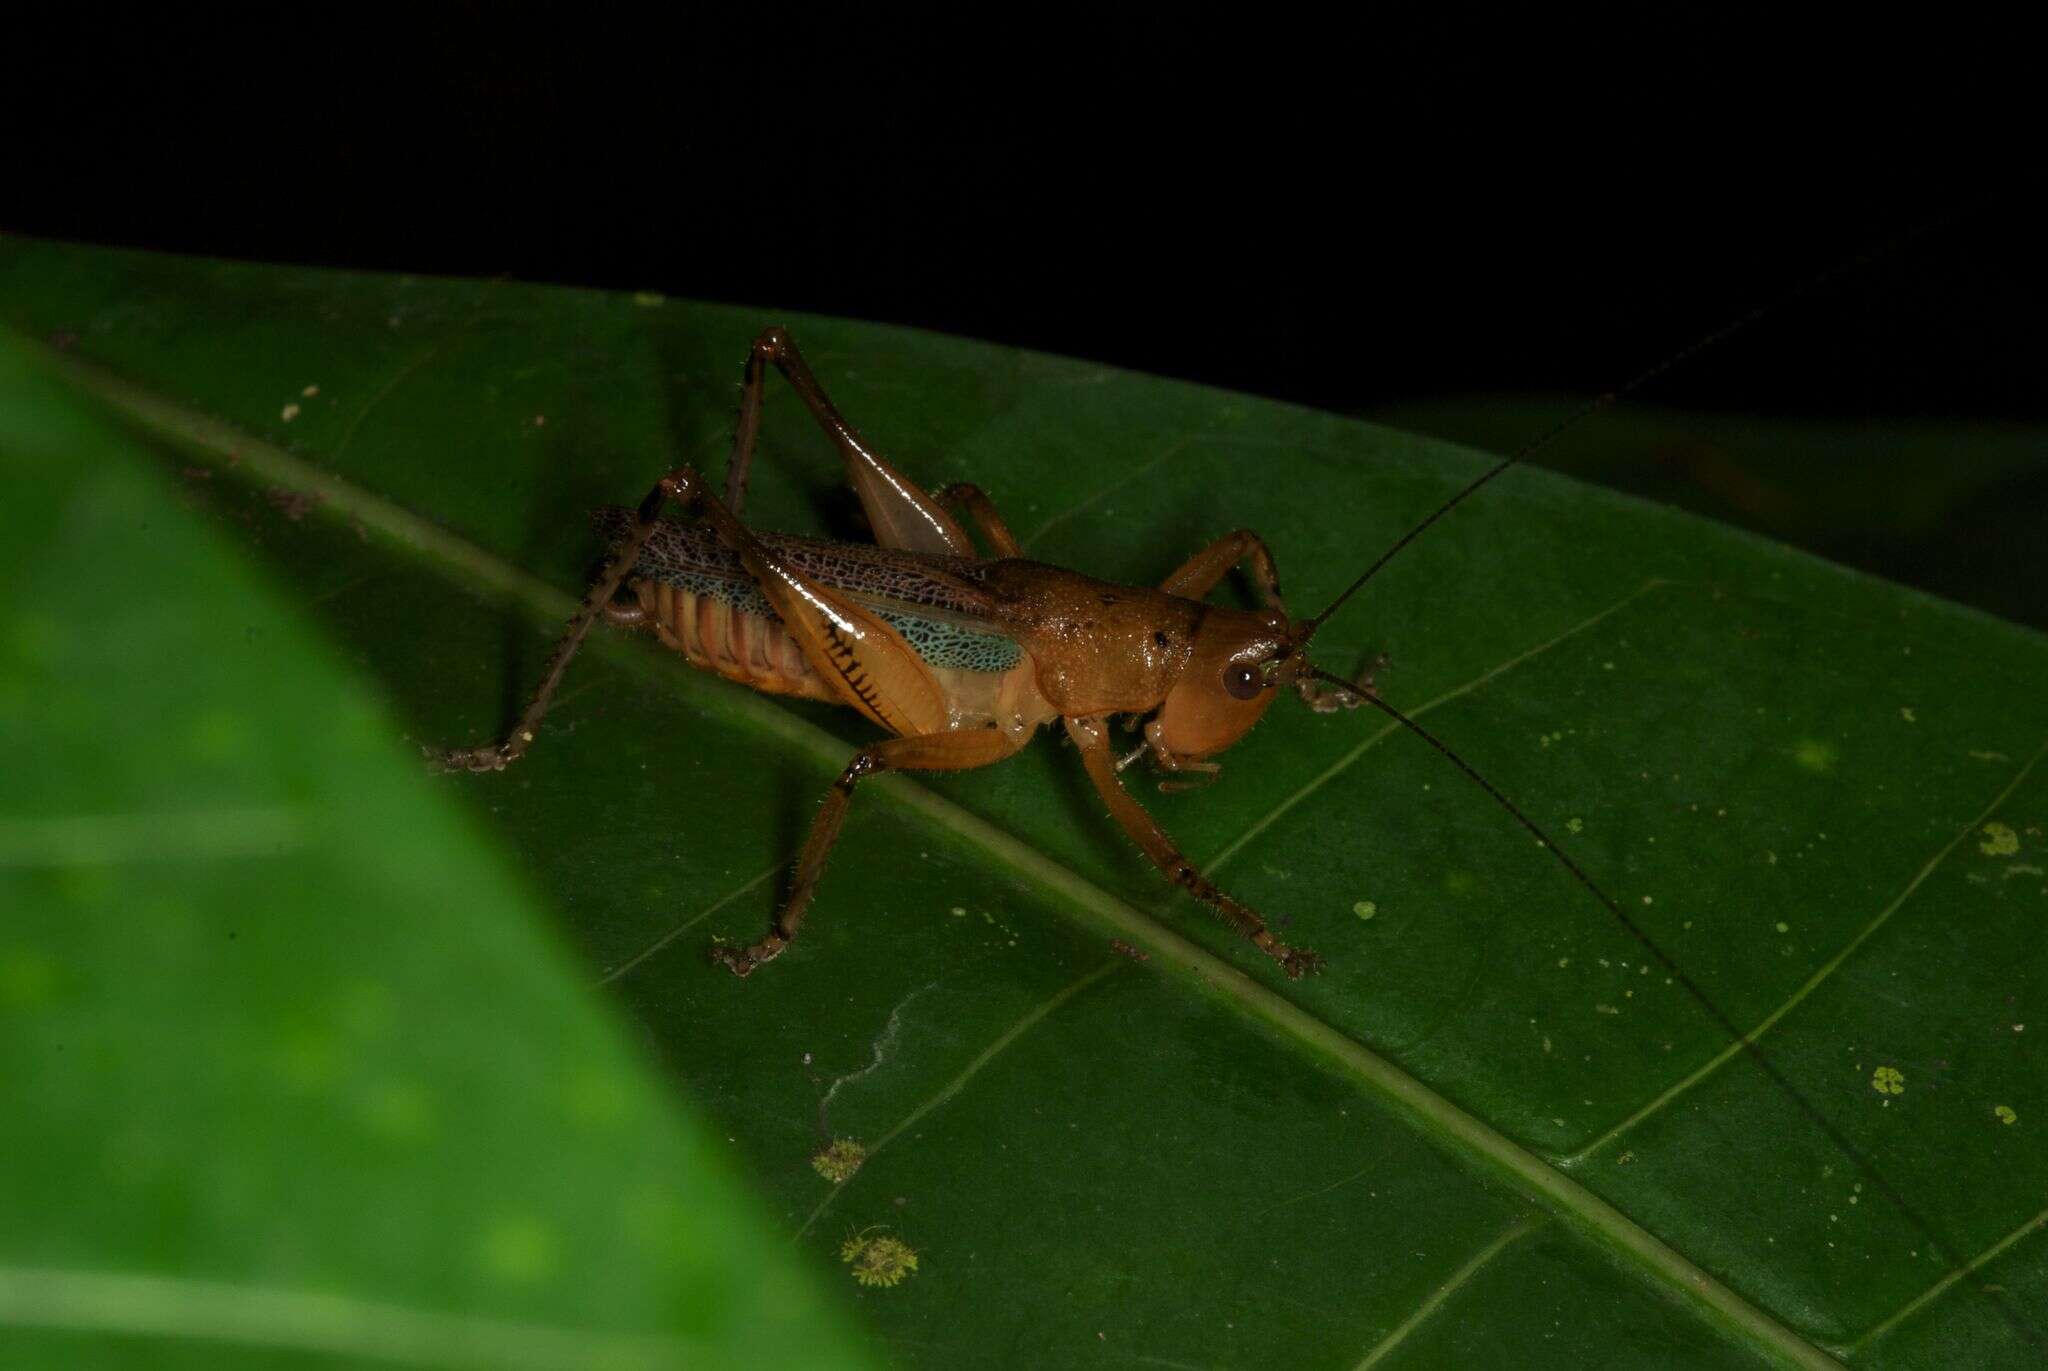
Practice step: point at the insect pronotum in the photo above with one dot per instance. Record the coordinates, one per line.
(961, 657)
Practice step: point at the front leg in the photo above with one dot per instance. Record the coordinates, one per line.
(1325, 698)
(1093, 740)
(1182, 774)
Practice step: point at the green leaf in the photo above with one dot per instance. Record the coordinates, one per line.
(1491, 1133)
(294, 1071)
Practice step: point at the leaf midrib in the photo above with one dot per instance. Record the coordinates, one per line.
(1455, 1131)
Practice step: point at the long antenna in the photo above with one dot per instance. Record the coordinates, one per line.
(1845, 267)
(2014, 1315)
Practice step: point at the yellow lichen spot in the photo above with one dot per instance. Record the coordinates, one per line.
(1888, 1080)
(1907, 714)
(878, 1261)
(310, 391)
(649, 299)
(1783, 927)
(840, 1160)
(2005, 1114)
(518, 1250)
(289, 412)
(1999, 841)
(1814, 755)
(1365, 909)
(1575, 825)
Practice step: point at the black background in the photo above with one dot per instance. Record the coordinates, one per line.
(1351, 218)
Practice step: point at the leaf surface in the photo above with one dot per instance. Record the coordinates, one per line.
(1493, 1131)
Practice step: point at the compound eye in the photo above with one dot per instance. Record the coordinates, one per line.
(1241, 681)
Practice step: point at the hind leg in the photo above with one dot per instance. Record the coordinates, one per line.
(687, 488)
(898, 509)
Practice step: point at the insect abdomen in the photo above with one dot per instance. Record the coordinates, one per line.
(697, 595)
(720, 637)
(717, 629)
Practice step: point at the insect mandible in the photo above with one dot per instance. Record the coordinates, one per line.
(960, 657)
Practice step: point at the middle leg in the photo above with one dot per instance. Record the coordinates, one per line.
(963, 750)
(965, 497)
(1198, 575)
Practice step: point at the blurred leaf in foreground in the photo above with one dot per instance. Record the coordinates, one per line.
(290, 1071)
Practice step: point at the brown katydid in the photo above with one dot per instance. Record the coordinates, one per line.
(961, 658)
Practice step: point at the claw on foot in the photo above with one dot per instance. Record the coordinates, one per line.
(1299, 961)
(742, 961)
(735, 960)
(490, 758)
(1324, 698)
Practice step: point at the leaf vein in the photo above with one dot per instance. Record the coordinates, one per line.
(312, 1322)
(1942, 1286)
(1345, 762)
(1813, 982)
(685, 926)
(1506, 1238)
(1087, 503)
(959, 1082)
